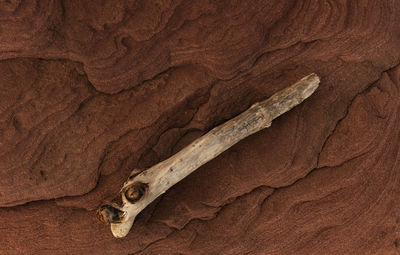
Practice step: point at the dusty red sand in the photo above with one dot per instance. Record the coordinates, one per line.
(92, 89)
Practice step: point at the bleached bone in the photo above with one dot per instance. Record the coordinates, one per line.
(143, 187)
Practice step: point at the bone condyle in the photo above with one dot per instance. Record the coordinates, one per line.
(143, 187)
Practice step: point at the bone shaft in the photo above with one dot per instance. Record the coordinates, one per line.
(212, 144)
(144, 187)
(221, 138)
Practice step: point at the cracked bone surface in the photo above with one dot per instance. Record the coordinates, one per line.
(143, 187)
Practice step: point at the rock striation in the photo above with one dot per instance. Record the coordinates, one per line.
(90, 90)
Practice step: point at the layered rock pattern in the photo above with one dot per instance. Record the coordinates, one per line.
(92, 89)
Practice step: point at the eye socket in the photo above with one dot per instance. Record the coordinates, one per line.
(109, 214)
(135, 192)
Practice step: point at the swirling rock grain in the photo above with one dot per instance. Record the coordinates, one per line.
(90, 90)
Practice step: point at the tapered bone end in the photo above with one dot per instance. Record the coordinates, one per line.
(121, 221)
(109, 214)
(120, 230)
(286, 99)
(309, 84)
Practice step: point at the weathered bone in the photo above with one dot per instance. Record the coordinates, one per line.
(145, 186)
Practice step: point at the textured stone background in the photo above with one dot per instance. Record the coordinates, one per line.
(92, 89)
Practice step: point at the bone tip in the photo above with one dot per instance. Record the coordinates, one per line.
(313, 78)
(118, 234)
(120, 230)
(308, 85)
(312, 81)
